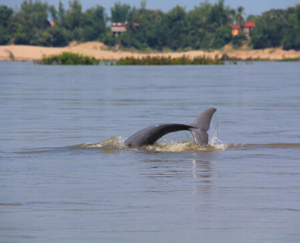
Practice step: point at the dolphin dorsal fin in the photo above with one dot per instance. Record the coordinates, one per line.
(203, 120)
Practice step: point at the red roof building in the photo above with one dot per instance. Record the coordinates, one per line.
(235, 26)
(248, 27)
(118, 28)
(236, 29)
(118, 24)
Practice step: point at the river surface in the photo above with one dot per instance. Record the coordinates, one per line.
(65, 175)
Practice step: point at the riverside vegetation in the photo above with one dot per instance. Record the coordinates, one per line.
(207, 26)
(184, 60)
(68, 58)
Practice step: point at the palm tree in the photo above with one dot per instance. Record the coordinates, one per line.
(239, 16)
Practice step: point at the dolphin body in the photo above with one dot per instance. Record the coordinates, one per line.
(151, 134)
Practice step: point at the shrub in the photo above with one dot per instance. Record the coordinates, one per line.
(68, 58)
(184, 60)
(237, 40)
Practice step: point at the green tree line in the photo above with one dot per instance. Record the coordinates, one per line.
(207, 26)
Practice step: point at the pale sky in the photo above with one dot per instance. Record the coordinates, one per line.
(251, 7)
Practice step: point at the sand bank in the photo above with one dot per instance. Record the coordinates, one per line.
(99, 51)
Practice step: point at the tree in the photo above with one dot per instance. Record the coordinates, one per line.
(144, 35)
(5, 15)
(237, 40)
(110, 40)
(206, 26)
(28, 23)
(120, 12)
(239, 16)
(4, 35)
(5, 18)
(54, 36)
(269, 29)
(61, 13)
(291, 39)
(53, 13)
(199, 26)
(94, 23)
(223, 36)
(126, 40)
(219, 15)
(157, 38)
(177, 24)
(252, 18)
(143, 4)
(198, 17)
(73, 17)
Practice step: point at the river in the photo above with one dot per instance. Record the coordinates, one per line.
(66, 176)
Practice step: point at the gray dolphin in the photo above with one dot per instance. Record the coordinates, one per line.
(151, 134)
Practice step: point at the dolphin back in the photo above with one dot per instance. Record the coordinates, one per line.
(151, 134)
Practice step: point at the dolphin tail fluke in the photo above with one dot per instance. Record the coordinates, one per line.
(201, 126)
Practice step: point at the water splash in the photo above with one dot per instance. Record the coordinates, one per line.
(164, 145)
(214, 133)
(186, 146)
(112, 142)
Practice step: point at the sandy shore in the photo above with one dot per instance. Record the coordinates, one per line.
(99, 51)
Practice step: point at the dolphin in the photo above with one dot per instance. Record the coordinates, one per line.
(151, 134)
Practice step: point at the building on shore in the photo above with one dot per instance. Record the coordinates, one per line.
(246, 28)
(119, 28)
(236, 29)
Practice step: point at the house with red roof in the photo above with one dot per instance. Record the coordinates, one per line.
(118, 28)
(248, 27)
(236, 29)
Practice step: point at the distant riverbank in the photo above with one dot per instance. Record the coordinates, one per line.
(100, 51)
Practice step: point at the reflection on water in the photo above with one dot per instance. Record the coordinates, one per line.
(202, 173)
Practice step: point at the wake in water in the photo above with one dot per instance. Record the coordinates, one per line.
(115, 143)
(160, 146)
